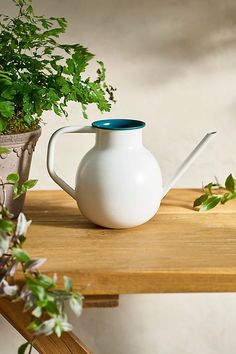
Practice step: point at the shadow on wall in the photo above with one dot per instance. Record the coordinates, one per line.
(178, 33)
(172, 33)
(169, 34)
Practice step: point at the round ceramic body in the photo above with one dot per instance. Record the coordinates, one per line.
(118, 182)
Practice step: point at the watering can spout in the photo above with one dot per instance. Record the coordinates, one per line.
(187, 162)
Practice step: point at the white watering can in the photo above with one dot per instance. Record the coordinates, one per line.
(118, 182)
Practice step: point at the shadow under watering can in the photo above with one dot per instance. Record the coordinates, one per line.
(118, 182)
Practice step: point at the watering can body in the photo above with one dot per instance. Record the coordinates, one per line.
(118, 182)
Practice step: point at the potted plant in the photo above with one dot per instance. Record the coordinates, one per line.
(37, 74)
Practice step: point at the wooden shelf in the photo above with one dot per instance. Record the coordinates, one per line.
(179, 250)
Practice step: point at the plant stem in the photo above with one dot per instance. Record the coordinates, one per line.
(3, 192)
(31, 347)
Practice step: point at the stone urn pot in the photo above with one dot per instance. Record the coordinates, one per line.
(21, 147)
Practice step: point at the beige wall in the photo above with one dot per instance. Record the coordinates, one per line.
(173, 63)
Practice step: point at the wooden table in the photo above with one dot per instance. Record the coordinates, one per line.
(179, 250)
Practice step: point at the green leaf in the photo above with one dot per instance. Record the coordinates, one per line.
(37, 312)
(68, 284)
(4, 244)
(3, 124)
(6, 226)
(230, 183)
(210, 203)
(9, 93)
(200, 200)
(52, 308)
(209, 187)
(19, 190)
(34, 325)
(76, 305)
(46, 327)
(37, 290)
(30, 183)
(71, 66)
(30, 9)
(34, 264)
(21, 255)
(23, 347)
(13, 178)
(44, 281)
(16, 191)
(58, 329)
(6, 108)
(4, 150)
(102, 71)
(228, 196)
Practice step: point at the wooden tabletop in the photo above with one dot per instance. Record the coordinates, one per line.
(179, 250)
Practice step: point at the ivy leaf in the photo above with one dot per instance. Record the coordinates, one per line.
(10, 290)
(33, 264)
(230, 183)
(68, 284)
(209, 187)
(66, 326)
(210, 203)
(37, 290)
(58, 329)
(44, 281)
(6, 225)
(228, 196)
(23, 347)
(30, 183)
(37, 312)
(52, 308)
(19, 190)
(4, 244)
(33, 326)
(76, 305)
(21, 255)
(46, 327)
(200, 200)
(22, 225)
(13, 178)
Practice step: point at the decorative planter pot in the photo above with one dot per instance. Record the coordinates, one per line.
(21, 148)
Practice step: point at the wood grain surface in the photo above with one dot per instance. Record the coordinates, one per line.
(68, 343)
(179, 250)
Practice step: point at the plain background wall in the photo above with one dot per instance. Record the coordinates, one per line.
(173, 63)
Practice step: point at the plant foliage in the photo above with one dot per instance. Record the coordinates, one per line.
(37, 73)
(38, 292)
(210, 199)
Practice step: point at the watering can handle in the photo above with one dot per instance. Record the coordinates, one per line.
(51, 154)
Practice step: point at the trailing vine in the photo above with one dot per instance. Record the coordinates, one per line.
(38, 292)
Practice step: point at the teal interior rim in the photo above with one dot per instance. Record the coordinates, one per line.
(118, 124)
